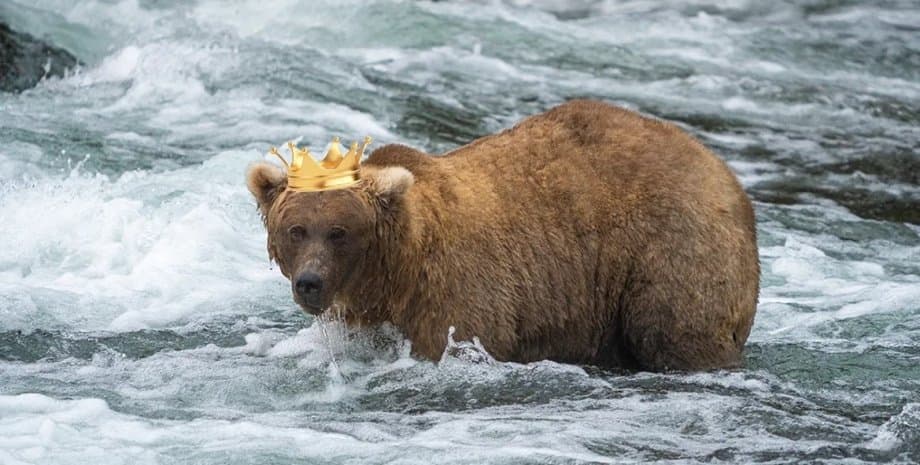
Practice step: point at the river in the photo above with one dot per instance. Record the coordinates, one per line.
(141, 321)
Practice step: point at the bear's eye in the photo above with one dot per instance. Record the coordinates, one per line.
(297, 233)
(337, 234)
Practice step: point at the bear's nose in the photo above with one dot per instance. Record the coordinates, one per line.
(308, 286)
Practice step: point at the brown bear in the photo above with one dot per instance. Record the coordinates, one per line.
(587, 234)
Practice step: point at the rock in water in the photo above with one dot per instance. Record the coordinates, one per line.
(25, 60)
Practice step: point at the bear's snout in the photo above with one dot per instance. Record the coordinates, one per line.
(309, 286)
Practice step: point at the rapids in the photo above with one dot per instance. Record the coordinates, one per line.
(141, 321)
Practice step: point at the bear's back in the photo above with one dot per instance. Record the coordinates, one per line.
(602, 165)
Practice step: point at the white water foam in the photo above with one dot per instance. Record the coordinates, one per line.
(900, 432)
(140, 250)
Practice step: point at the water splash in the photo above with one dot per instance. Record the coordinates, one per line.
(337, 342)
(471, 351)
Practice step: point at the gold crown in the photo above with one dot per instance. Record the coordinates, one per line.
(335, 171)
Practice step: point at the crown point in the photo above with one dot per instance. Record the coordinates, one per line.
(333, 154)
(274, 151)
(367, 141)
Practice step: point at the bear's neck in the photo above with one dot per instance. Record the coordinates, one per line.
(396, 286)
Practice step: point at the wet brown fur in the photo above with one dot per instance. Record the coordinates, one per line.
(586, 234)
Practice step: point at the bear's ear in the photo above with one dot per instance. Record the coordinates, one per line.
(265, 181)
(389, 183)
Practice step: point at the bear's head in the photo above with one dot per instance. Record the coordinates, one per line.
(326, 242)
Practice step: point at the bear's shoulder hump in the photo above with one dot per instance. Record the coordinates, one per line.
(399, 155)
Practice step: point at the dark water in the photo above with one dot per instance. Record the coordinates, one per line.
(140, 320)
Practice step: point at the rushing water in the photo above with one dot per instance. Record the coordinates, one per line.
(141, 321)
